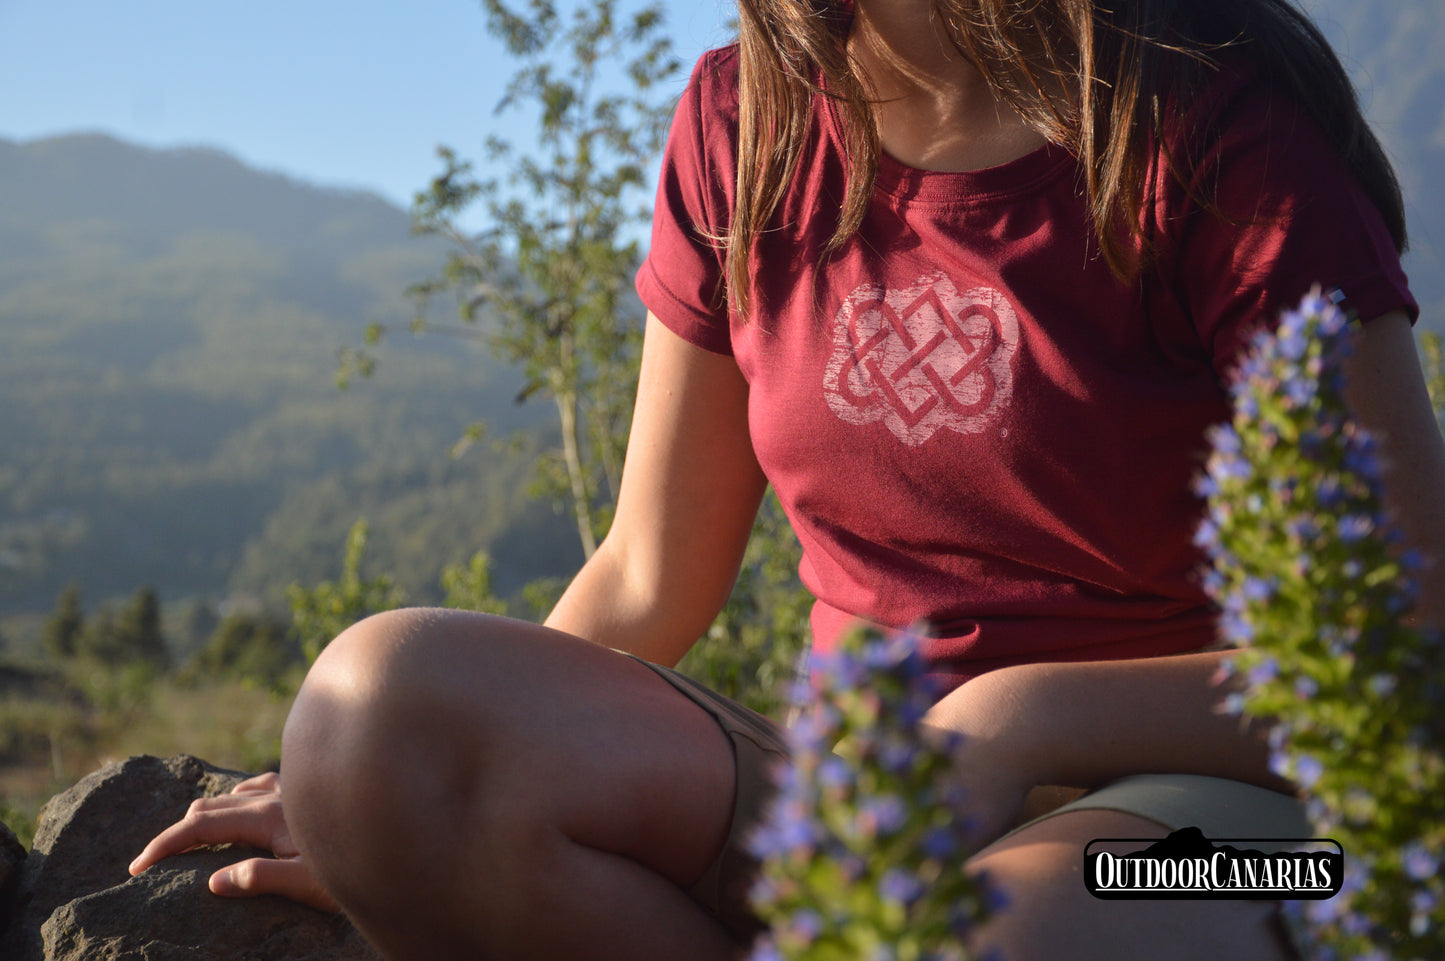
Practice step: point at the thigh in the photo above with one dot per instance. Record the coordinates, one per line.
(508, 723)
(1050, 914)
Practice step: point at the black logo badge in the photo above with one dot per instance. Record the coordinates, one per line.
(1188, 866)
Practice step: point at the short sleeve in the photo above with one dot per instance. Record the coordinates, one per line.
(682, 278)
(1289, 215)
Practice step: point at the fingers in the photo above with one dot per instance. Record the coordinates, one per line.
(288, 878)
(251, 819)
(250, 815)
(268, 783)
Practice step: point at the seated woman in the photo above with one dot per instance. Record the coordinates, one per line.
(961, 279)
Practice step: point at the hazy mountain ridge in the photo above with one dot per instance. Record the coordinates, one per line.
(158, 195)
(170, 323)
(1391, 49)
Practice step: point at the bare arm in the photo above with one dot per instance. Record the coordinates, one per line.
(1386, 389)
(1083, 724)
(690, 489)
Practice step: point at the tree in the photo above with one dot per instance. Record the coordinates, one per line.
(131, 638)
(553, 270)
(470, 588)
(320, 613)
(138, 631)
(65, 626)
(252, 649)
(546, 286)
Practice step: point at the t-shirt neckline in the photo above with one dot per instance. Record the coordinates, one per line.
(916, 185)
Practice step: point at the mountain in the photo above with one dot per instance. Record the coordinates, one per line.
(1391, 48)
(170, 325)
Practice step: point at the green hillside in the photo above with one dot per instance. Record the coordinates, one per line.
(1391, 48)
(170, 323)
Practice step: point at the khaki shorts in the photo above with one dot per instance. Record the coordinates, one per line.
(759, 745)
(1219, 807)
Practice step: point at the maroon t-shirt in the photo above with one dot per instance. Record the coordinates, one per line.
(971, 422)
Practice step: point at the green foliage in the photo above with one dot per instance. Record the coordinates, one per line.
(469, 588)
(64, 628)
(139, 630)
(21, 823)
(752, 650)
(1316, 592)
(551, 275)
(130, 642)
(320, 613)
(165, 377)
(1432, 359)
(252, 649)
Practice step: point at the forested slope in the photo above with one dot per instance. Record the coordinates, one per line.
(1392, 50)
(170, 323)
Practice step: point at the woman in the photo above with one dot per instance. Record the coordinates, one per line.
(968, 305)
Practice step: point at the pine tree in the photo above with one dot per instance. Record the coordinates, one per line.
(65, 626)
(138, 631)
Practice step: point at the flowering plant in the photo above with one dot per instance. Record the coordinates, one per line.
(1314, 591)
(863, 848)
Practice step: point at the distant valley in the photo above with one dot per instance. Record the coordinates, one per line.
(171, 323)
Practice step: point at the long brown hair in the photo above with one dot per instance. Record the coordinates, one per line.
(1091, 76)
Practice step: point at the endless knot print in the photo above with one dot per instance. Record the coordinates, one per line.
(922, 358)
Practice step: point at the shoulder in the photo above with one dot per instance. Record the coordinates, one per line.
(713, 86)
(1234, 102)
(1242, 148)
(702, 145)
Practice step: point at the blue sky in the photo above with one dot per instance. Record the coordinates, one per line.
(355, 94)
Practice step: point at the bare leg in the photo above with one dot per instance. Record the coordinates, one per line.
(1051, 914)
(468, 786)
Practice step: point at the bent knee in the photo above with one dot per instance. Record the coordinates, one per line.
(1050, 913)
(388, 691)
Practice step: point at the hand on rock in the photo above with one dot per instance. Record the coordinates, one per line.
(251, 815)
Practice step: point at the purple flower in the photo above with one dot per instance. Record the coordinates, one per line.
(1258, 589)
(1307, 771)
(1235, 629)
(1383, 685)
(900, 886)
(765, 950)
(1207, 536)
(1263, 672)
(833, 771)
(1301, 390)
(788, 830)
(896, 755)
(1419, 863)
(882, 815)
(1303, 528)
(1354, 527)
(940, 843)
(1225, 439)
(806, 924)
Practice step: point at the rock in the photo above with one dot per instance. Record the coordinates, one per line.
(12, 859)
(76, 901)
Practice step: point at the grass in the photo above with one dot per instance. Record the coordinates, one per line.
(51, 738)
